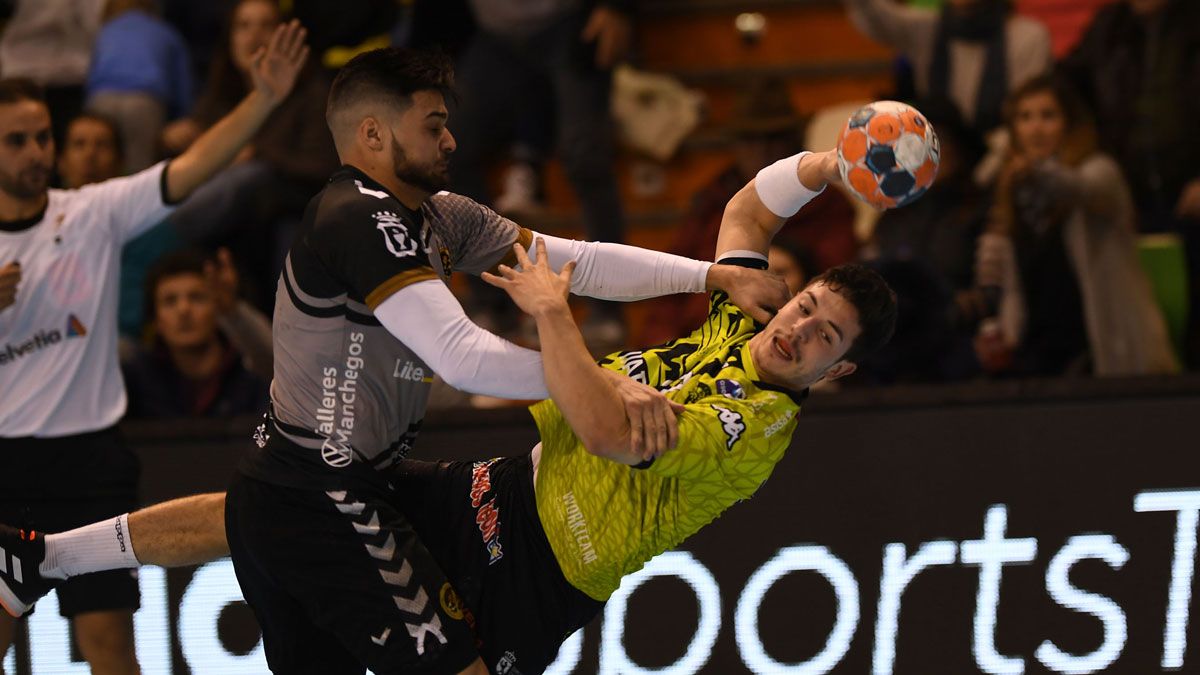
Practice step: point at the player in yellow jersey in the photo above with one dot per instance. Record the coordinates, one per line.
(535, 544)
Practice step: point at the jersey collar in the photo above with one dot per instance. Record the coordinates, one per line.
(24, 223)
(351, 172)
(748, 366)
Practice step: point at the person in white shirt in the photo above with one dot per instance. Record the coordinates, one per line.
(61, 385)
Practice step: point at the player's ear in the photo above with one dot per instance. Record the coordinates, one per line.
(371, 133)
(839, 370)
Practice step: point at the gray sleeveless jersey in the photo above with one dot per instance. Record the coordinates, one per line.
(346, 390)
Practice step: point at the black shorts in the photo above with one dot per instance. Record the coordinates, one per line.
(58, 484)
(339, 581)
(480, 522)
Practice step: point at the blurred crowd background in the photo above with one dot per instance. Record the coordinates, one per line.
(1061, 238)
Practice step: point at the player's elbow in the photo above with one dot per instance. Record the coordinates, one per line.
(609, 443)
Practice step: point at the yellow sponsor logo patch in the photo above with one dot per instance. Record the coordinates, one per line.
(451, 603)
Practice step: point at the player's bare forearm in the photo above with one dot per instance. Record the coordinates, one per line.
(580, 388)
(748, 225)
(216, 148)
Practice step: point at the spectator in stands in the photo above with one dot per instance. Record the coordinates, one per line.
(1060, 246)
(140, 77)
(972, 52)
(765, 127)
(1138, 66)
(252, 206)
(211, 353)
(91, 153)
(50, 42)
(568, 48)
(926, 251)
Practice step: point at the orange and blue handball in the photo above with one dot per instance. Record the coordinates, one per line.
(888, 154)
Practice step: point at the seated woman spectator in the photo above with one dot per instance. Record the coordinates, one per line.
(972, 52)
(1060, 247)
(264, 193)
(211, 354)
(140, 77)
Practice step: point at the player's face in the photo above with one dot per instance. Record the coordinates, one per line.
(421, 143)
(89, 154)
(807, 339)
(253, 23)
(26, 149)
(184, 312)
(1039, 124)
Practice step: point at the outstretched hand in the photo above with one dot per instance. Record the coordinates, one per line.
(275, 67)
(535, 288)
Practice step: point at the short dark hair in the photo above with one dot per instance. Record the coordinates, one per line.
(103, 119)
(177, 263)
(17, 89)
(872, 298)
(394, 73)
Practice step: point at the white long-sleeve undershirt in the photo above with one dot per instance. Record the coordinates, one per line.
(427, 317)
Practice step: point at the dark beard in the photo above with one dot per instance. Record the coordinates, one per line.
(428, 179)
(27, 184)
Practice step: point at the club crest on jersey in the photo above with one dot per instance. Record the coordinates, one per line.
(395, 234)
(731, 423)
(730, 389)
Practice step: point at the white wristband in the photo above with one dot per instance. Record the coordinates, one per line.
(780, 189)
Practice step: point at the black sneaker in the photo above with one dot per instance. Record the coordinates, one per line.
(21, 583)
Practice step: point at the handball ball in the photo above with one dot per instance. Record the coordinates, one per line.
(888, 154)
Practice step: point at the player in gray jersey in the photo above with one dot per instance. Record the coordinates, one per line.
(335, 574)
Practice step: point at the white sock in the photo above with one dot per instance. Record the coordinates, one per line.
(101, 546)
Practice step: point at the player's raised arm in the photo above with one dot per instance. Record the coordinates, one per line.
(274, 72)
(603, 270)
(756, 213)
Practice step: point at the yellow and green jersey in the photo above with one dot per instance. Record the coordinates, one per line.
(604, 520)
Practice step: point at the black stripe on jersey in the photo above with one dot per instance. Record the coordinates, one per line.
(360, 318)
(319, 312)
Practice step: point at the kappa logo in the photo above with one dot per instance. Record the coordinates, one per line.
(395, 234)
(732, 424)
